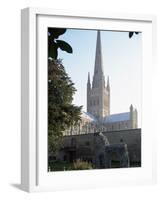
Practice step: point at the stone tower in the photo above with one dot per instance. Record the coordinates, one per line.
(133, 117)
(98, 94)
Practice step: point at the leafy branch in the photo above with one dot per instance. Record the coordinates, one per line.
(132, 33)
(54, 44)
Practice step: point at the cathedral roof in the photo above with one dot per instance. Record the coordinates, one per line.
(117, 117)
(88, 116)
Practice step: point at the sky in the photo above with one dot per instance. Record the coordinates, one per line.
(121, 62)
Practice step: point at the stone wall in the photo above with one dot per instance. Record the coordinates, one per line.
(84, 146)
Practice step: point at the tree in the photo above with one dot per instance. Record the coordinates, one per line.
(61, 112)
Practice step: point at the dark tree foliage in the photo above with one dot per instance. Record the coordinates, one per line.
(54, 44)
(62, 113)
(132, 33)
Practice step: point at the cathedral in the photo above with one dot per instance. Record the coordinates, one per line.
(100, 138)
(98, 116)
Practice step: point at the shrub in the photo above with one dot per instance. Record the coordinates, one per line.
(80, 165)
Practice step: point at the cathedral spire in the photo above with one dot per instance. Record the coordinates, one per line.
(98, 96)
(107, 80)
(98, 68)
(108, 83)
(98, 57)
(88, 78)
(88, 82)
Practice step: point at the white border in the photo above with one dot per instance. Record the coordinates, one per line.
(34, 174)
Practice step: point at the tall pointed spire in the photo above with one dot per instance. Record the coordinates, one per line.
(88, 83)
(108, 83)
(98, 96)
(88, 78)
(98, 58)
(98, 68)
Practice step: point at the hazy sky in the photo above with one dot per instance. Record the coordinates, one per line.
(121, 62)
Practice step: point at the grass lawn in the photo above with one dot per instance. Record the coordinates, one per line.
(63, 166)
(60, 166)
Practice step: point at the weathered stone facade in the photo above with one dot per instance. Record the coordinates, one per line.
(89, 147)
(89, 124)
